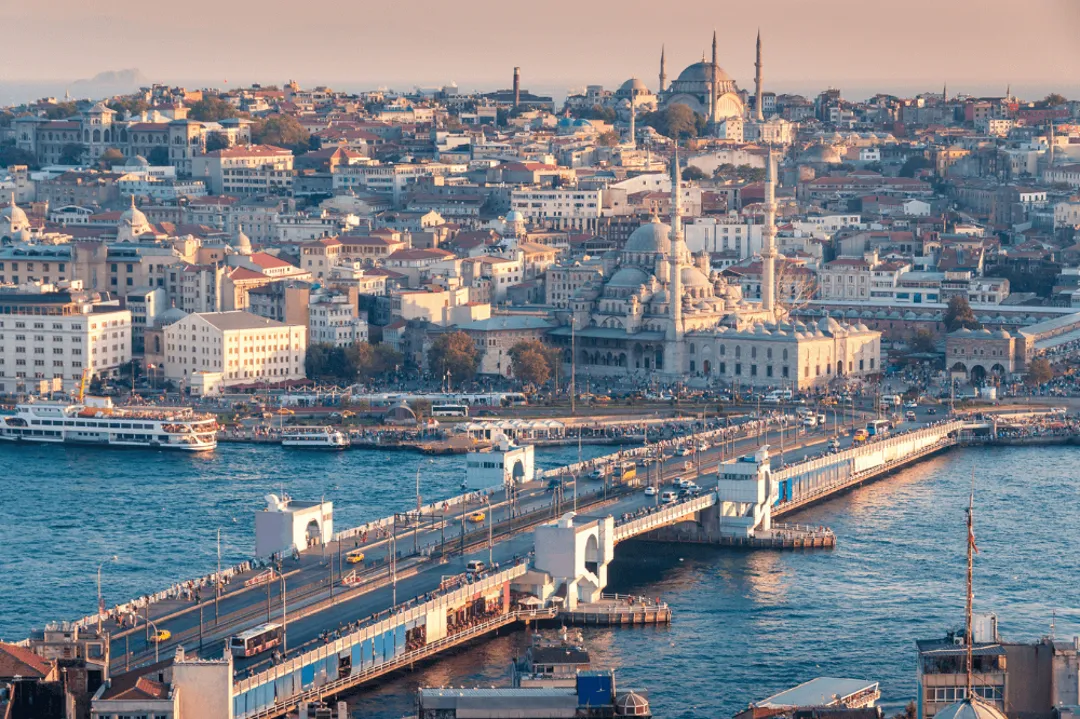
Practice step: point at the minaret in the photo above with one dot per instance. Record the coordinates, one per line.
(517, 86)
(945, 92)
(1049, 149)
(714, 92)
(663, 70)
(633, 128)
(768, 236)
(675, 329)
(759, 112)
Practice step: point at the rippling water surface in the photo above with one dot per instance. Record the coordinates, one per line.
(746, 624)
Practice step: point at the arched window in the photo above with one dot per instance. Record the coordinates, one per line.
(692, 351)
(753, 352)
(723, 350)
(738, 351)
(785, 355)
(97, 135)
(768, 353)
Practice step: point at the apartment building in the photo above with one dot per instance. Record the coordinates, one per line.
(52, 331)
(241, 347)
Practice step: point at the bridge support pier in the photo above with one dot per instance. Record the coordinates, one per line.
(576, 556)
(745, 494)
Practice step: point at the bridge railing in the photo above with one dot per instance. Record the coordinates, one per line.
(665, 515)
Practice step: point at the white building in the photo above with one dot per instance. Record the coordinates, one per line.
(333, 320)
(51, 332)
(242, 347)
(724, 235)
(539, 205)
(245, 170)
(503, 464)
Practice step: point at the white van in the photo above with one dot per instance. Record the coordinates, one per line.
(667, 497)
(474, 566)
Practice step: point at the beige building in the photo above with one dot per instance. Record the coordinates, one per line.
(50, 332)
(438, 306)
(245, 170)
(243, 348)
(496, 335)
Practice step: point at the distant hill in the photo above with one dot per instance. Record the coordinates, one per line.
(110, 82)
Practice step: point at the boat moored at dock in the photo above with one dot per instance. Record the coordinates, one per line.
(314, 438)
(98, 422)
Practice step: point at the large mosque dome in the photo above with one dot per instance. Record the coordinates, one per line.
(654, 236)
(696, 78)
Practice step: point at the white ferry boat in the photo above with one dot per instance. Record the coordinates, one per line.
(96, 421)
(314, 438)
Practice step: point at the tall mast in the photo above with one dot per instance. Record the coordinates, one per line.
(768, 250)
(759, 112)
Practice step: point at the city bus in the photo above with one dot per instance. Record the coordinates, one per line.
(450, 410)
(878, 427)
(256, 640)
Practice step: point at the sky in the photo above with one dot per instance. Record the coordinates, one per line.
(973, 45)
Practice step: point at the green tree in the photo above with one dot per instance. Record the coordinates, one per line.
(217, 141)
(922, 340)
(159, 157)
(370, 361)
(959, 314)
(11, 155)
(61, 111)
(111, 157)
(1054, 99)
(1039, 371)
(283, 131)
(913, 164)
(72, 153)
(454, 353)
(675, 121)
(748, 173)
(693, 173)
(608, 139)
(327, 363)
(212, 109)
(533, 362)
(128, 105)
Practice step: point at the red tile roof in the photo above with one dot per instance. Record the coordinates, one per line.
(18, 661)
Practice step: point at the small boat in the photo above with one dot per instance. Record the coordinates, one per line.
(314, 438)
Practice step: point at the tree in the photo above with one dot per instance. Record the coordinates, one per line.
(1054, 99)
(328, 363)
(216, 141)
(1039, 371)
(749, 173)
(128, 105)
(675, 121)
(111, 157)
(608, 139)
(913, 164)
(159, 157)
(454, 353)
(693, 173)
(533, 362)
(959, 314)
(72, 153)
(922, 340)
(212, 109)
(373, 361)
(11, 155)
(61, 111)
(283, 131)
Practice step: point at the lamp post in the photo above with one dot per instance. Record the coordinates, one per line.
(284, 615)
(157, 640)
(100, 602)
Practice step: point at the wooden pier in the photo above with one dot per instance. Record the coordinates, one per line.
(617, 610)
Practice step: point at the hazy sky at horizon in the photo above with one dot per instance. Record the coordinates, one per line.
(556, 42)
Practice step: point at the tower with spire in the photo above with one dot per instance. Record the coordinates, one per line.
(676, 250)
(663, 70)
(759, 113)
(768, 245)
(714, 104)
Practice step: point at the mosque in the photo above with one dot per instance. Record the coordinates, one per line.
(661, 313)
(704, 87)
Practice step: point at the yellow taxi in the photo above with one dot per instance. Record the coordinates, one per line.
(861, 435)
(477, 517)
(162, 635)
(355, 556)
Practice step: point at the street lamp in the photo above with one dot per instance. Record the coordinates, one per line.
(157, 639)
(100, 601)
(284, 615)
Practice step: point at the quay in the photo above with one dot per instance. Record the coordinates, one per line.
(544, 554)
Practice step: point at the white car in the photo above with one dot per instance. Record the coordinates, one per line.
(650, 491)
(668, 497)
(682, 483)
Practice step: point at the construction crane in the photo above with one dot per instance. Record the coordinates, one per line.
(82, 383)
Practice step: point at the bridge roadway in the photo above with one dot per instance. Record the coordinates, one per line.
(311, 609)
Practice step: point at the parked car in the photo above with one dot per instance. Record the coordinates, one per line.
(650, 491)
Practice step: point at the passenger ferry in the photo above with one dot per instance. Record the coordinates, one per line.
(314, 438)
(96, 421)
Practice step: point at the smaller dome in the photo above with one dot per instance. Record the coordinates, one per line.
(631, 704)
(242, 243)
(821, 154)
(628, 277)
(973, 708)
(140, 161)
(14, 215)
(515, 216)
(653, 236)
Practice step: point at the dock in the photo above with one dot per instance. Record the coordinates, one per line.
(617, 610)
